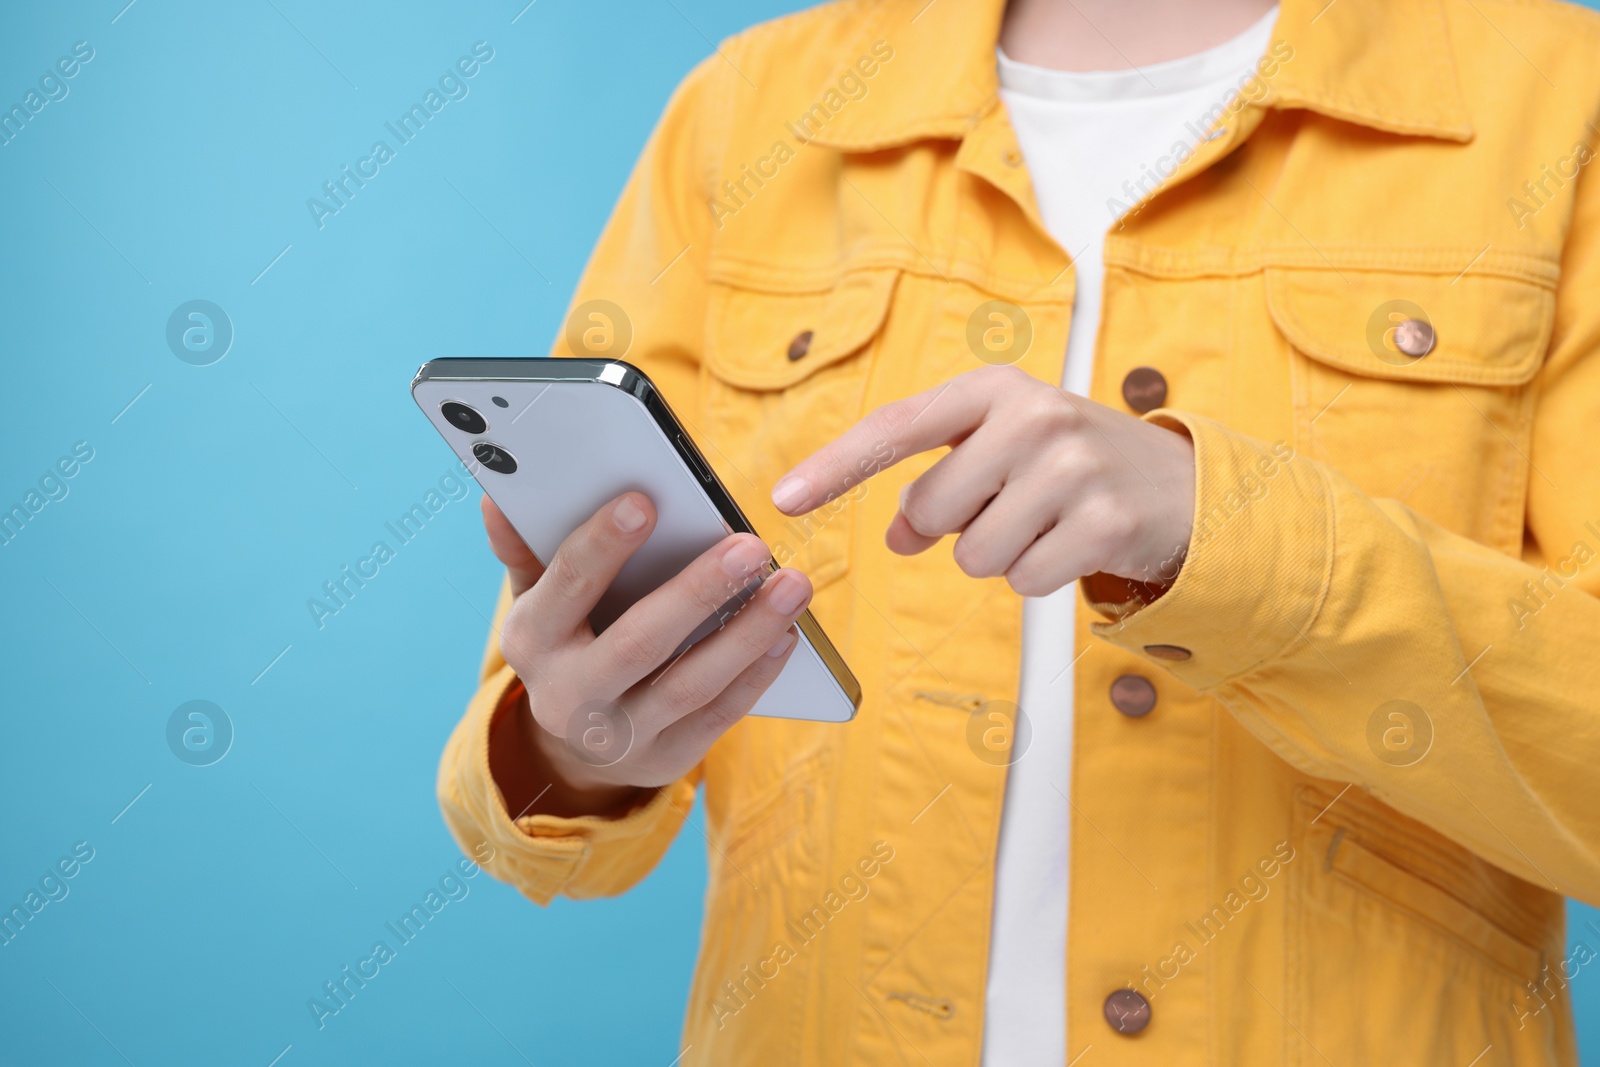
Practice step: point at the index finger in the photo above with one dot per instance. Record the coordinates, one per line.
(522, 566)
(883, 438)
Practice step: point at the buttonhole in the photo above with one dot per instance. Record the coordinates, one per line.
(938, 1007)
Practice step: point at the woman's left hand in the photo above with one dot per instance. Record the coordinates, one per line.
(1040, 485)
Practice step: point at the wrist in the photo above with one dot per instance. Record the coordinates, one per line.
(538, 774)
(1168, 527)
(567, 772)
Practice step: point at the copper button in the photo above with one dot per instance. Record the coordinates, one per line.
(1172, 652)
(1133, 696)
(1414, 337)
(1144, 389)
(800, 345)
(1127, 1011)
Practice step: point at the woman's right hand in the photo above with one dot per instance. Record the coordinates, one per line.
(607, 716)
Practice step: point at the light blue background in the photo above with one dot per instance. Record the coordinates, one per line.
(179, 564)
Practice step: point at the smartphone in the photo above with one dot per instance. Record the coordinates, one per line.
(553, 439)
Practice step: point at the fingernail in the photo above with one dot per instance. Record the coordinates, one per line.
(790, 493)
(781, 645)
(788, 593)
(743, 557)
(627, 515)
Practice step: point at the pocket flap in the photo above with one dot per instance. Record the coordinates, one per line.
(758, 339)
(1487, 329)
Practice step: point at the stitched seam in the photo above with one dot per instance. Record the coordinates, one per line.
(1510, 522)
(1295, 995)
(1213, 777)
(762, 275)
(1412, 259)
(1153, 262)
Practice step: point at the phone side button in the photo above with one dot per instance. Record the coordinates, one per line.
(694, 459)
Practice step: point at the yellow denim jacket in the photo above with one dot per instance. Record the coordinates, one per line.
(1343, 833)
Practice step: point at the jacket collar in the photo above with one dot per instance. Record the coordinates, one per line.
(1386, 64)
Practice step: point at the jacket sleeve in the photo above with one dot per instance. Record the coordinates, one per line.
(650, 264)
(540, 854)
(1315, 606)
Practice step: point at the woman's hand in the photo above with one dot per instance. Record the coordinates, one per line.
(612, 714)
(1040, 485)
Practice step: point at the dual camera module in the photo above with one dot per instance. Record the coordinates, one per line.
(468, 420)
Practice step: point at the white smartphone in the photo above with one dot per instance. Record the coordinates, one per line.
(551, 440)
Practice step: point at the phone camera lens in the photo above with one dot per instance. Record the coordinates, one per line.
(463, 417)
(494, 457)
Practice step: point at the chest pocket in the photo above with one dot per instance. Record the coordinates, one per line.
(785, 373)
(1414, 385)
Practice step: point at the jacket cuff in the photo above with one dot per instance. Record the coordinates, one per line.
(1258, 567)
(541, 854)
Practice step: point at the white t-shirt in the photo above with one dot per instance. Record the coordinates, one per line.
(1083, 136)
